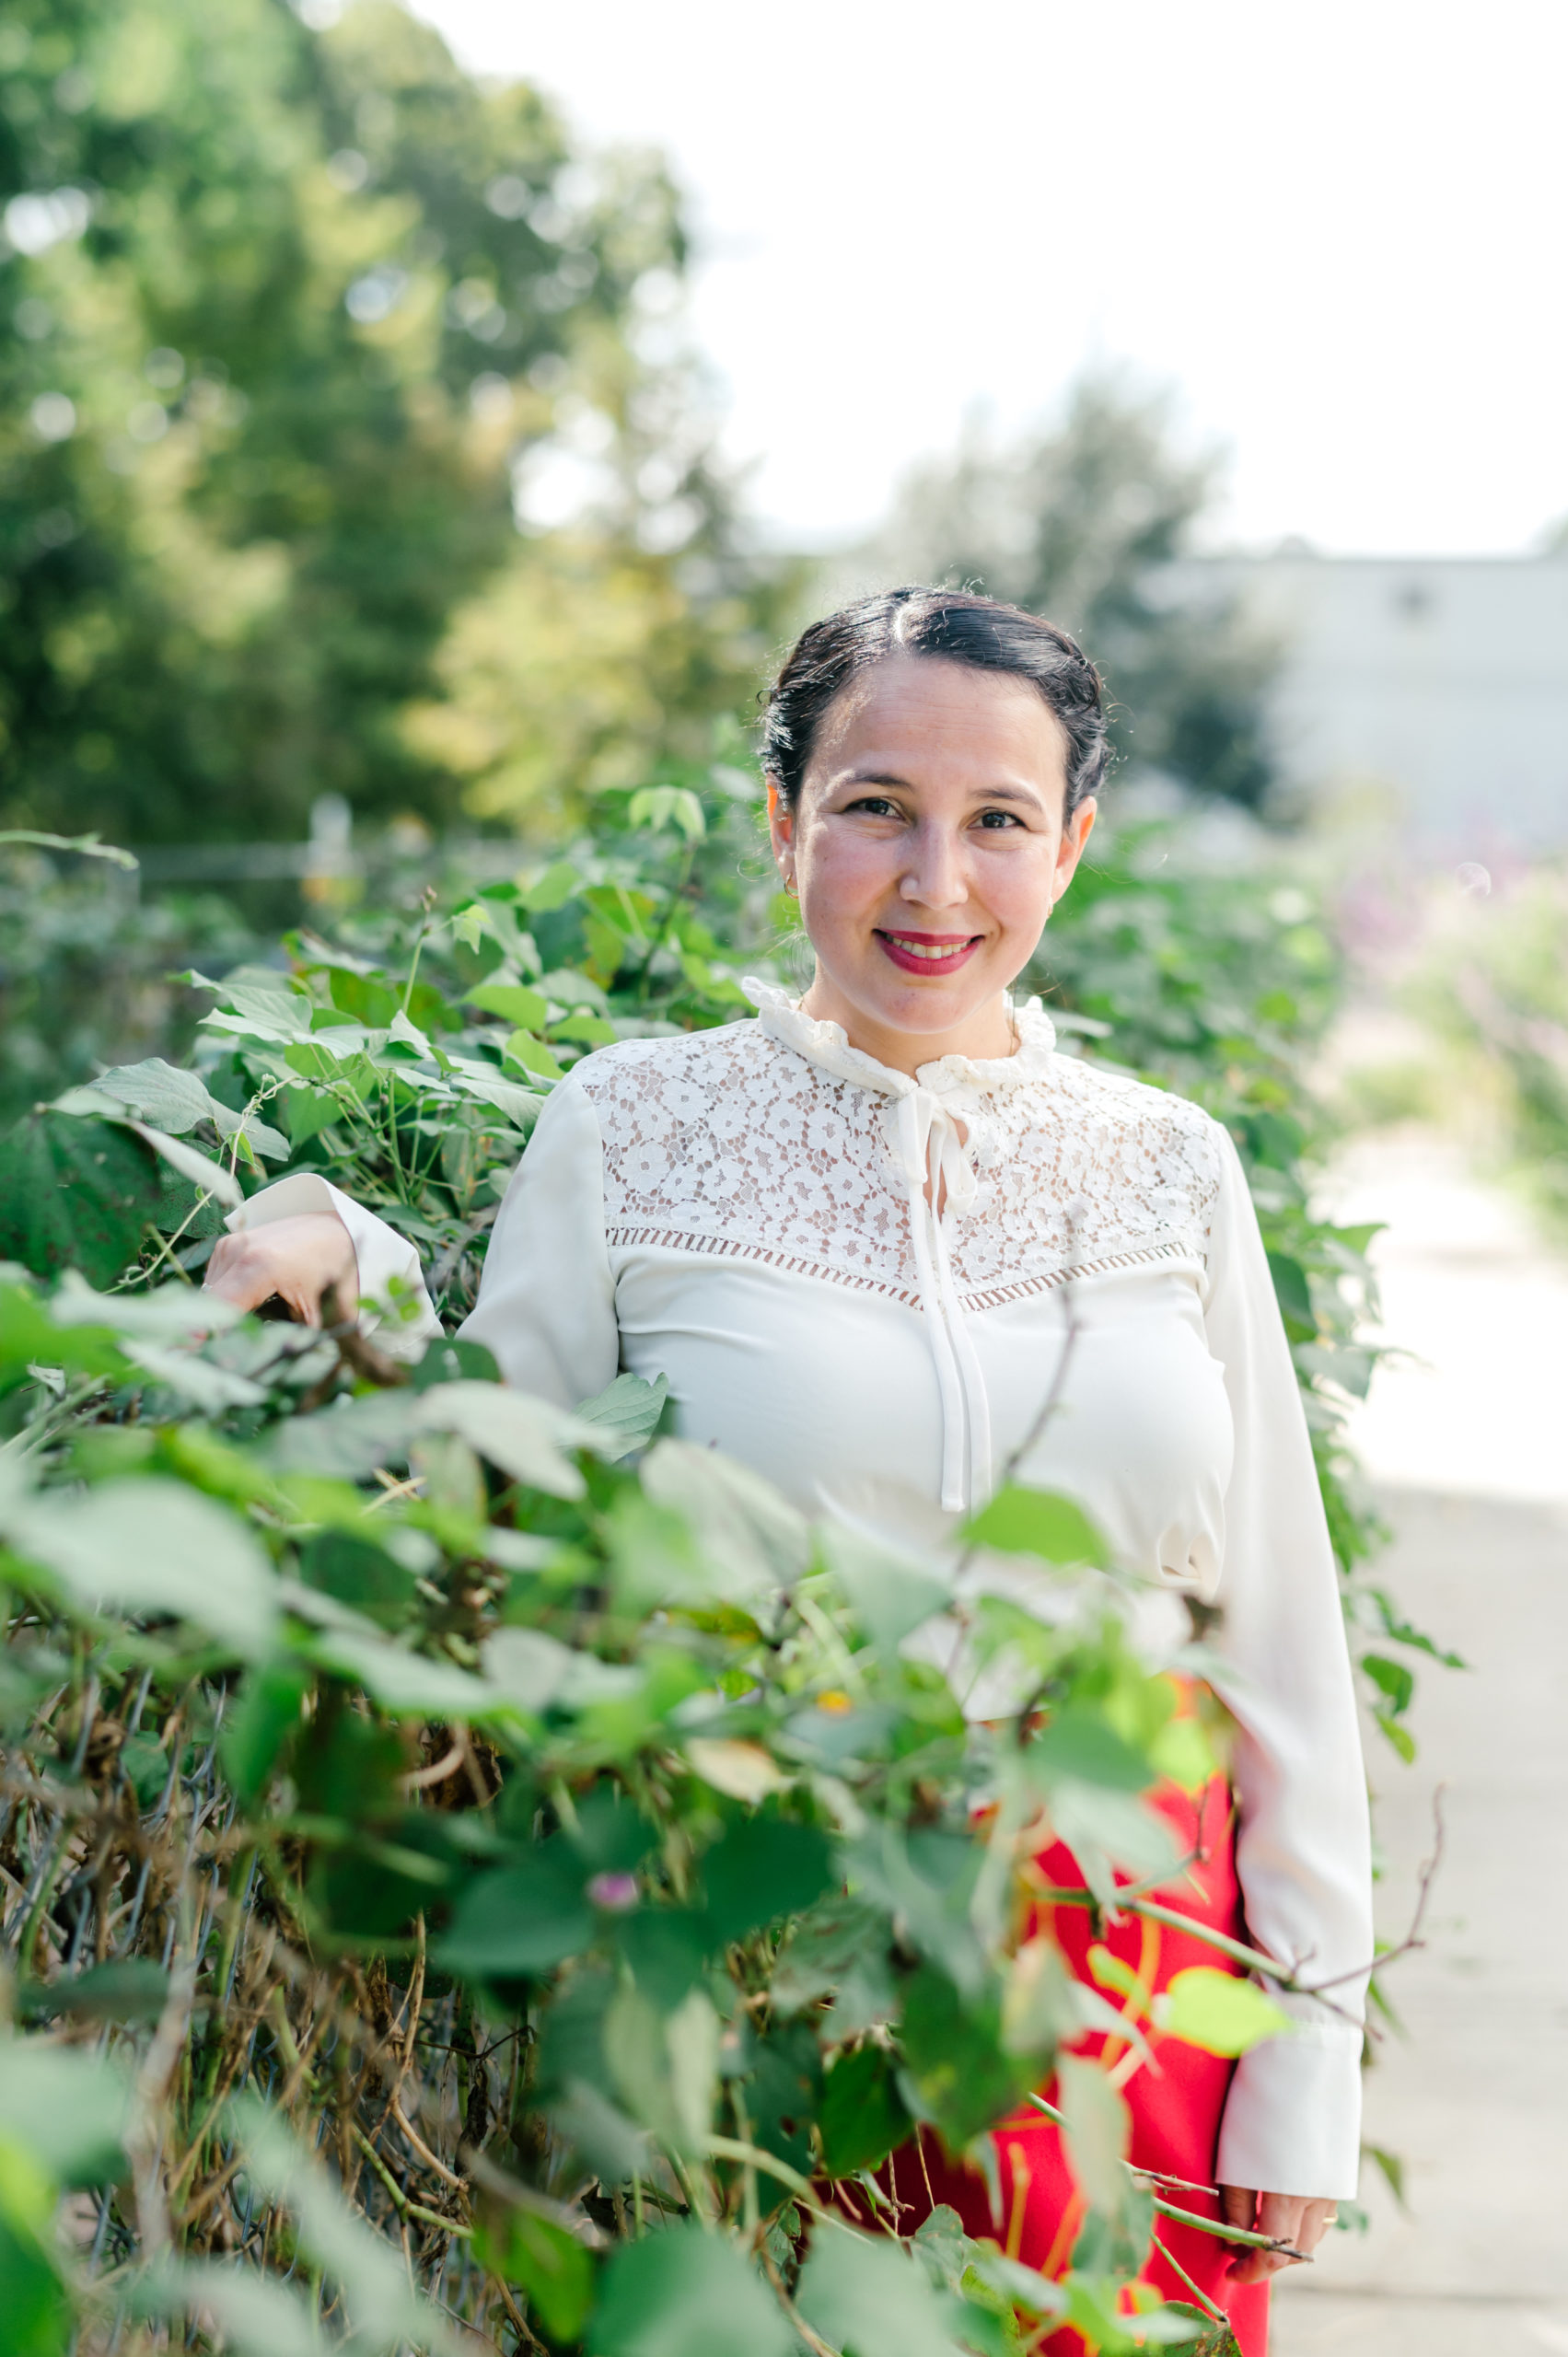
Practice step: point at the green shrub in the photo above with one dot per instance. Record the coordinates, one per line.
(468, 1862)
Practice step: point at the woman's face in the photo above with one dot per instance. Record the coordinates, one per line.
(928, 848)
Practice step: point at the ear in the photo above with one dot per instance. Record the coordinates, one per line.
(781, 824)
(1075, 835)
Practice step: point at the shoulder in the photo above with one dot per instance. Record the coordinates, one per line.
(676, 1077)
(1104, 1092)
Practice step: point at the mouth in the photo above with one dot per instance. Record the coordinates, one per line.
(930, 954)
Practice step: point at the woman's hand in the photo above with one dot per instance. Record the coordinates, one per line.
(1283, 2217)
(301, 1260)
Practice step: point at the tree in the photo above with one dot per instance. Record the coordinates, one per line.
(1082, 523)
(281, 318)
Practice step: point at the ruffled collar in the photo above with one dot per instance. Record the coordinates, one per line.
(825, 1044)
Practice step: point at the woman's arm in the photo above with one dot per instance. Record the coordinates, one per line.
(546, 1303)
(302, 1236)
(1293, 2121)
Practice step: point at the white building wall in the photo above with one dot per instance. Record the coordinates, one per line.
(1441, 681)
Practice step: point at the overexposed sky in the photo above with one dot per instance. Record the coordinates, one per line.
(1336, 229)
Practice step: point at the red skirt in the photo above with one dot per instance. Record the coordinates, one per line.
(1176, 2098)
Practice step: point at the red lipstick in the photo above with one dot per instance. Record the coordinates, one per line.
(928, 954)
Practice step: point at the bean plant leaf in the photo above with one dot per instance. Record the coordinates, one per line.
(154, 1546)
(69, 2110)
(752, 1542)
(553, 2270)
(863, 2116)
(1219, 2010)
(686, 2294)
(626, 1415)
(1098, 2130)
(1020, 1521)
(75, 1194)
(876, 2300)
(257, 2315)
(521, 1918)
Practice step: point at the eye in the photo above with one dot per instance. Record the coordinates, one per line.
(994, 819)
(874, 805)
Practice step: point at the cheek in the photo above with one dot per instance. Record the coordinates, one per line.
(1018, 886)
(844, 871)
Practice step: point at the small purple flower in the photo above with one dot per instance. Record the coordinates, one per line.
(615, 1893)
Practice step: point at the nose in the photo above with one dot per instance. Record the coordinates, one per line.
(936, 873)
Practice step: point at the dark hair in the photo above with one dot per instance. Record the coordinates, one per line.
(957, 626)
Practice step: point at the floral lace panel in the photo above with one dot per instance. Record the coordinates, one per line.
(730, 1142)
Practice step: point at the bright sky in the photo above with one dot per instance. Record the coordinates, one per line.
(1337, 230)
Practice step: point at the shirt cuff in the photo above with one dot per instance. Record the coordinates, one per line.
(398, 1314)
(1293, 2115)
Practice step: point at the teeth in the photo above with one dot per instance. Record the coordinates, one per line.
(923, 949)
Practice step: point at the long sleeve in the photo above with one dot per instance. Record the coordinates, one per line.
(394, 1305)
(546, 1305)
(1292, 2119)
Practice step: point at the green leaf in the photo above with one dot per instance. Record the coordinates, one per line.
(681, 2293)
(862, 2117)
(1098, 2129)
(154, 1546)
(873, 2299)
(69, 2111)
(514, 1003)
(454, 1360)
(1219, 2010)
(1392, 2167)
(1391, 1679)
(257, 1725)
(552, 2268)
(1020, 1521)
(525, 1438)
(519, 1920)
(890, 1593)
(1294, 1294)
(75, 1194)
(962, 2071)
(626, 1415)
(761, 1868)
(30, 1336)
(558, 885)
(753, 1542)
(130, 1989)
(661, 806)
(360, 1574)
(257, 2315)
(1079, 1745)
(407, 1685)
(38, 2321)
(533, 1054)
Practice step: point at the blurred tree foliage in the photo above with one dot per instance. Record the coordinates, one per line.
(296, 330)
(1082, 523)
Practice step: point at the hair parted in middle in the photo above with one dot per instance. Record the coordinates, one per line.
(958, 627)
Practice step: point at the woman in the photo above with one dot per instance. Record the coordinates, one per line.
(845, 1233)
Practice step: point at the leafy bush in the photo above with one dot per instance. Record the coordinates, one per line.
(471, 1864)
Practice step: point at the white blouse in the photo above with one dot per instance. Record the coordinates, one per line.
(744, 1212)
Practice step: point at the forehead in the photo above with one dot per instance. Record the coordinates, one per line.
(931, 721)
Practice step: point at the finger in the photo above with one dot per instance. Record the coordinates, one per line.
(1279, 2215)
(236, 1278)
(1238, 2205)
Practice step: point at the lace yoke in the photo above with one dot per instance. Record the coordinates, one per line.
(773, 1140)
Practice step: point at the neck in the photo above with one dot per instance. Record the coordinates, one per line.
(985, 1033)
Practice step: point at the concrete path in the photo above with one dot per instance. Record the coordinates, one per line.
(1471, 1453)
